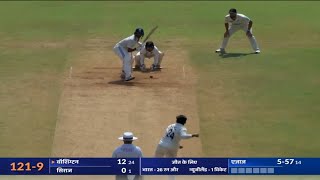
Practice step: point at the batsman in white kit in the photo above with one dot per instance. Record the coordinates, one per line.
(234, 22)
(170, 142)
(124, 48)
(148, 51)
(127, 150)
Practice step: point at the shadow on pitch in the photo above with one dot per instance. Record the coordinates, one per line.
(233, 55)
(123, 83)
(126, 83)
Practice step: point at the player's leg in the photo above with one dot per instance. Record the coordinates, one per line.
(121, 54)
(127, 64)
(136, 59)
(142, 65)
(253, 42)
(160, 152)
(157, 61)
(225, 40)
(138, 177)
(132, 60)
(121, 177)
(160, 58)
(172, 153)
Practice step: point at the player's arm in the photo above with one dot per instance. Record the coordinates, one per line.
(226, 26)
(195, 135)
(114, 155)
(142, 56)
(139, 151)
(140, 46)
(131, 49)
(250, 25)
(249, 29)
(185, 135)
(156, 55)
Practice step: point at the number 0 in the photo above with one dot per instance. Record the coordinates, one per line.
(123, 170)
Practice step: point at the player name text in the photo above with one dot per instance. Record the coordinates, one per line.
(64, 170)
(67, 161)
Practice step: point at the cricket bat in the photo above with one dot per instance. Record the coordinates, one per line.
(150, 33)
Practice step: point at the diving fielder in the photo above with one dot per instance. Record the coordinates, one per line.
(148, 51)
(124, 48)
(170, 142)
(234, 22)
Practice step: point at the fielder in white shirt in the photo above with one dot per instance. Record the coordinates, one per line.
(124, 48)
(170, 142)
(148, 51)
(127, 150)
(234, 22)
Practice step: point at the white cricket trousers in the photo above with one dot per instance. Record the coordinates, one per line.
(232, 30)
(166, 152)
(163, 152)
(157, 60)
(126, 58)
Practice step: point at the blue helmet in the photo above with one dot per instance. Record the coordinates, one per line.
(139, 32)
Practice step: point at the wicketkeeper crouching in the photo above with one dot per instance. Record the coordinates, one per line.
(148, 51)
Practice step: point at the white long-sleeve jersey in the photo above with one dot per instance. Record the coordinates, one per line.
(154, 53)
(129, 42)
(241, 20)
(173, 135)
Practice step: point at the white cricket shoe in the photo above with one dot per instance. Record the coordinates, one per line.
(257, 51)
(221, 50)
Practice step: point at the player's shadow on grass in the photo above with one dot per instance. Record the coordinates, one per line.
(232, 55)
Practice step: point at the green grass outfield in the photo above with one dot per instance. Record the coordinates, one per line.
(254, 105)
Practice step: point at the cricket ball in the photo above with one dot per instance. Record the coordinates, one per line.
(151, 76)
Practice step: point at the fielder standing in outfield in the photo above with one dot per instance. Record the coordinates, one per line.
(170, 142)
(124, 48)
(127, 150)
(148, 51)
(234, 22)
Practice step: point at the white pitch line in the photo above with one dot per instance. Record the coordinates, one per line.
(70, 72)
(184, 74)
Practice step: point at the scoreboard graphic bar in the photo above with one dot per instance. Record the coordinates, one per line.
(159, 166)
